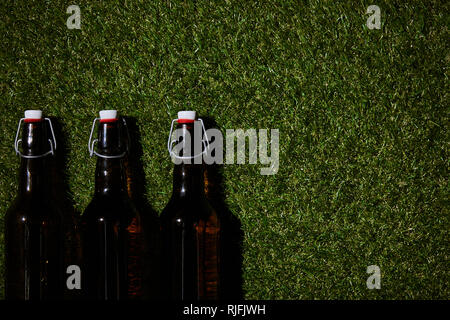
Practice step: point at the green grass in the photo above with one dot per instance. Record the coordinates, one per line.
(362, 114)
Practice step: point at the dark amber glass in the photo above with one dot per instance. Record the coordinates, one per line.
(112, 233)
(190, 231)
(33, 226)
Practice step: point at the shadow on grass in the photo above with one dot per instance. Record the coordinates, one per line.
(136, 185)
(232, 235)
(64, 201)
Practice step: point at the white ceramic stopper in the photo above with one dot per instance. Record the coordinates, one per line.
(187, 115)
(108, 114)
(33, 114)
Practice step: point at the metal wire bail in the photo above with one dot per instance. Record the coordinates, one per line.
(52, 142)
(91, 143)
(170, 142)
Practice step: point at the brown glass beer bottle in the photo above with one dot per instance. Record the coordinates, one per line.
(33, 224)
(112, 234)
(190, 228)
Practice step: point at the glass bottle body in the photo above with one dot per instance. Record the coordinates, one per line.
(190, 231)
(112, 234)
(33, 227)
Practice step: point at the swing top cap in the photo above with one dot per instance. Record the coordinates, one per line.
(33, 115)
(186, 116)
(108, 115)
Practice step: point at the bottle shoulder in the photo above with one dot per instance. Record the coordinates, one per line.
(32, 208)
(198, 209)
(109, 206)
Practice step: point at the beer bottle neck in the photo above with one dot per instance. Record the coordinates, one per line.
(109, 174)
(109, 178)
(33, 174)
(188, 177)
(33, 177)
(188, 181)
